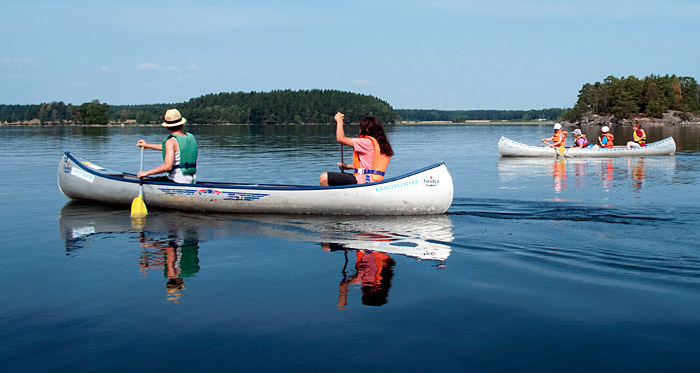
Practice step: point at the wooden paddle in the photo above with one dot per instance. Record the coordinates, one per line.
(138, 207)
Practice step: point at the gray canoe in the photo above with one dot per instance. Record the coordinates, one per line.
(510, 148)
(422, 192)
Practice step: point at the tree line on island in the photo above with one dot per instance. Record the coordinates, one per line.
(618, 97)
(284, 106)
(460, 116)
(630, 97)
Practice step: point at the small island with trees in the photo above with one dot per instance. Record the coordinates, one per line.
(665, 100)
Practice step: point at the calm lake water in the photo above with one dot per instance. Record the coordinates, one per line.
(540, 264)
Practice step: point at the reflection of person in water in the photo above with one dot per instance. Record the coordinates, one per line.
(177, 255)
(559, 175)
(608, 173)
(373, 273)
(638, 172)
(581, 173)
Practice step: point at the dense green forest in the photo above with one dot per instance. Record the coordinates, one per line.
(625, 97)
(92, 112)
(309, 106)
(312, 106)
(462, 115)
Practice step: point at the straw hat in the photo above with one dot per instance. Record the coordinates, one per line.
(173, 118)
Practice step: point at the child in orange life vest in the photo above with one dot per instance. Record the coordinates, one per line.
(639, 136)
(371, 154)
(558, 138)
(606, 139)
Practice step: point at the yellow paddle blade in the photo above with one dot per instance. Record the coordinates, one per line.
(138, 207)
(562, 150)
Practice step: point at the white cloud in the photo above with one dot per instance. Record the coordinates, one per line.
(362, 82)
(152, 66)
(148, 66)
(192, 67)
(15, 62)
(106, 69)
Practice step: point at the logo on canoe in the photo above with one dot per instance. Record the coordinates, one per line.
(431, 181)
(395, 187)
(66, 167)
(215, 194)
(82, 174)
(207, 191)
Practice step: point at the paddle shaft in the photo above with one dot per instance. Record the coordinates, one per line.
(141, 179)
(138, 207)
(342, 159)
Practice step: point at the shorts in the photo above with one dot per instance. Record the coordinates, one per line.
(338, 178)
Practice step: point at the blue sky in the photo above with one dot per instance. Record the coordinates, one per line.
(491, 54)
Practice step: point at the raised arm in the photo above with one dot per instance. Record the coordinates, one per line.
(340, 132)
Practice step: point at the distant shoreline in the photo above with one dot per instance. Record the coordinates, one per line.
(399, 123)
(667, 121)
(474, 122)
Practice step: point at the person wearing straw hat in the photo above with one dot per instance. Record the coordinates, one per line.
(179, 152)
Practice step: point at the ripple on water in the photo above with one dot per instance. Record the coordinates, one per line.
(651, 242)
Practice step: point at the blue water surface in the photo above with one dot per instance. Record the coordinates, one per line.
(540, 264)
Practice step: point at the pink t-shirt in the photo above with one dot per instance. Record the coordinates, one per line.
(365, 150)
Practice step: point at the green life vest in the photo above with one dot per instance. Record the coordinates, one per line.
(188, 152)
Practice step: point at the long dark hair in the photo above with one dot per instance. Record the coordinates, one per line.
(371, 126)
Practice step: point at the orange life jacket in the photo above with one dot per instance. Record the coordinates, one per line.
(610, 137)
(558, 139)
(379, 163)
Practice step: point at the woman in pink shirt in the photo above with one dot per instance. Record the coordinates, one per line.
(371, 154)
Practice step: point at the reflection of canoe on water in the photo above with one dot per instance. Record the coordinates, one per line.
(510, 148)
(422, 192)
(425, 237)
(517, 168)
(533, 166)
(422, 237)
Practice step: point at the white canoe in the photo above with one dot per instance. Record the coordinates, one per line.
(510, 148)
(422, 192)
